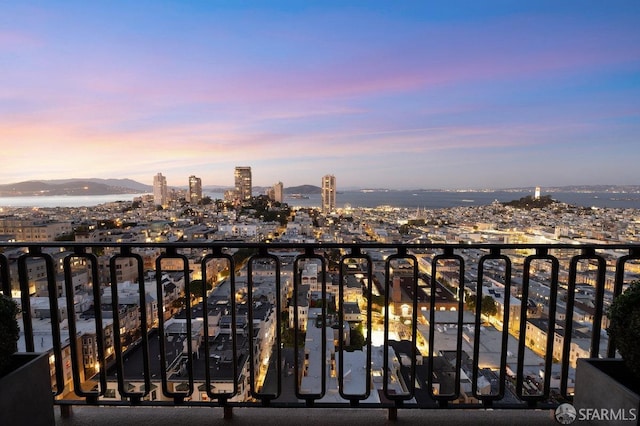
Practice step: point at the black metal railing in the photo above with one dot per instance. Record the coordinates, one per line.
(262, 335)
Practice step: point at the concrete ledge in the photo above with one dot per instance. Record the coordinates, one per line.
(109, 416)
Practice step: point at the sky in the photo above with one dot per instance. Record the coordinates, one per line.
(381, 94)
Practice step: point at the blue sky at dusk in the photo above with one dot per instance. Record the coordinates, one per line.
(402, 95)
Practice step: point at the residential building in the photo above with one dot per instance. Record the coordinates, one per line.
(276, 192)
(302, 306)
(160, 193)
(354, 372)
(536, 339)
(194, 194)
(243, 183)
(328, 193)
(34, 230)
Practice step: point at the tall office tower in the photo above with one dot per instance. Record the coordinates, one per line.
(160, 193)
(278, 190)
(243, 183)
(537, 193)
(194, 195)
(328, 193)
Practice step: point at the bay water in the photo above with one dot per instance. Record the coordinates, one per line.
(412, 199)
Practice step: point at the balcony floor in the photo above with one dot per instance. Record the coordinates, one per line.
(140, 416)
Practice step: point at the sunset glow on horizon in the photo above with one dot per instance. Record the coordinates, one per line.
(380, 94)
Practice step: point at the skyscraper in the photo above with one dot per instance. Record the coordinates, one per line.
(243, 183)
(160, 193)
(194, 195)
(328, 193)
(278, 190)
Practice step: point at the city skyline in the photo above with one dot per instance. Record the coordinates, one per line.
(404, 95)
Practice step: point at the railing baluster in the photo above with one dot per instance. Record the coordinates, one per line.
(178, 396)
(264, 396)
(443, 399)
(399, 397)
(23, 273)
(220, 396)
(309, 397)
(541, 254)
(354, 398)
(135, 397)
(587, 254)
(25, 300)
(489, 399)
(79, 253)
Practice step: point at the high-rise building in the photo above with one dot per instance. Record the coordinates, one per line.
(243, 183)
(194, 195)
(160, 192)
(328, 193)
(278, 190)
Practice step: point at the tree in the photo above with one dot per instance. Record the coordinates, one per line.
(471, 302)
(333, 257)
(9, 331)
(179, 303)
(196, 288)
(66, 237)
(241, 256)
(357, 340)
(488, 306)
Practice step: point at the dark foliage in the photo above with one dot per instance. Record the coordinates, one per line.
(9, 332)
(530, 202)
(624, 328)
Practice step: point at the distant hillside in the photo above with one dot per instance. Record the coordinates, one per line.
(216, 188)
(73, 187)
(530, 202)
(117, 183)
(94, 186)
(303, 189)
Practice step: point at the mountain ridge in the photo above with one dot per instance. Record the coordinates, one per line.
(122, 183)
(56, 187)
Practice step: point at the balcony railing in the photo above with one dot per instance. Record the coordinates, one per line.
(323, 325)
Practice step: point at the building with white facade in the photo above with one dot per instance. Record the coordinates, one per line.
(276, 192)
(32, 230)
